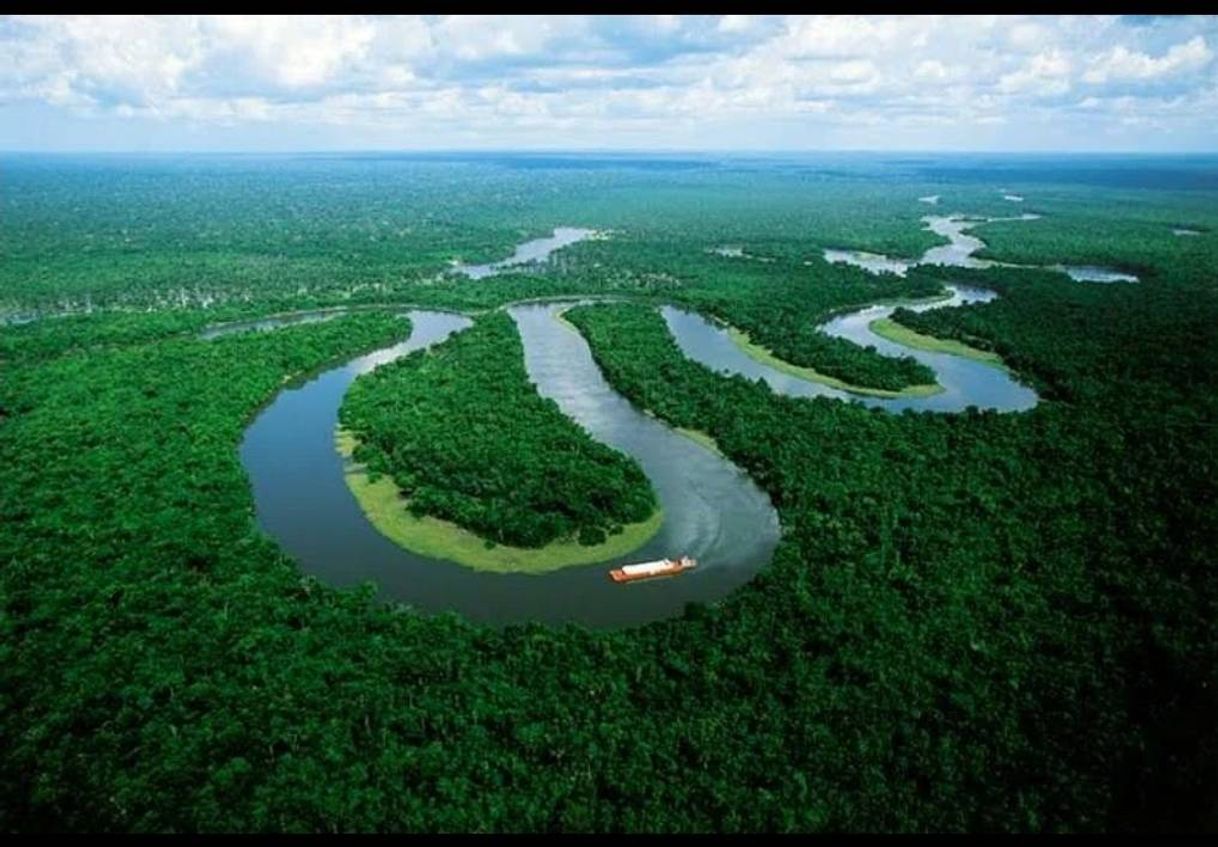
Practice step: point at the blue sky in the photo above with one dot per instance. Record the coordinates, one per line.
(736, 82)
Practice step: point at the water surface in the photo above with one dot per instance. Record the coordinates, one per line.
(960, 249)
(966, 382)
(537, 250)
(872, 262)
(270, 323)
(1093, 273)
(712, 510)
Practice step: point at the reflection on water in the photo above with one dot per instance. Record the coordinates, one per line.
(712, 510)
(961, 246)
(1092, 273)
(737, 252)
(965, 382)
(267, 324)
(873, 262)
(958, 252)
(537, 250)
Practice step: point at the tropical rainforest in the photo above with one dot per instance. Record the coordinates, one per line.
(467, 439)
(978, 621)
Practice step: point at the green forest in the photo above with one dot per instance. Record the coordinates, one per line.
(972, 622)
(466, 438)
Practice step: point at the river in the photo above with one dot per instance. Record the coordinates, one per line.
(712, 509)
(960, 249)
(965, 382)
(537, 250)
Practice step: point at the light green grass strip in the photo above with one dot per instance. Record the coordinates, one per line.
(382, 504)
(561, 317)
(702, 438)
(900, 334)
(761, 354)
(695, 435)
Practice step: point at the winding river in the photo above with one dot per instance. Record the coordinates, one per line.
(712, 509)
(537, 250)
(965, 382)
(959, 250)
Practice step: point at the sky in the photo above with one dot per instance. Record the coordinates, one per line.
(661, 82)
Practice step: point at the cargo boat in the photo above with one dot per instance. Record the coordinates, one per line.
(649, 570)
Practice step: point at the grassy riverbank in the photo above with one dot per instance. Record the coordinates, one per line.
(761, 354)
(895, 332)
(382, 504)
(702, 438)
(465, 436)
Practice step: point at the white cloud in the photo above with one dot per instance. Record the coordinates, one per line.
(1120, 63)
(932, 70)
(108, 59)
(838, 36)
(1044, 74)
(416, 75)
(474, 38)
(1029, 35)
(666, 23)
(296, 52)
(854, 72)
(735, 23)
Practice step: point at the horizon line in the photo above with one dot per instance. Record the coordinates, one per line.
(628, 151)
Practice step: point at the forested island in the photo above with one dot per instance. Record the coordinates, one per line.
(466, 438)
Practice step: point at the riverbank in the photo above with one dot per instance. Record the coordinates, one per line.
(766, 357)
(702, 438)
(383, 506)
(903, 335)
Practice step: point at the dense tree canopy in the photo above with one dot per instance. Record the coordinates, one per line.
(466, 437)
(977, 621)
